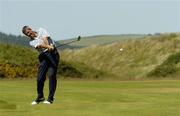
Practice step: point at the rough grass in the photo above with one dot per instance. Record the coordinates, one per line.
(93, 98)
(168, 67)
(138, 58)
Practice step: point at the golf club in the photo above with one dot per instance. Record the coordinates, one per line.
(78, 39)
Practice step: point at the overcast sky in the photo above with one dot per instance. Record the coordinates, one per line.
(66, 19)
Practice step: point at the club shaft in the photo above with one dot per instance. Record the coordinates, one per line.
(79, 37)
(66, 43)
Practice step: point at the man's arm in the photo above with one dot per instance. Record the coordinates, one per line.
(46, 45)
(49, 47)
(45, 39)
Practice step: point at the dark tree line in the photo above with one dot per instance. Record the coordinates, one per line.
(13, 39)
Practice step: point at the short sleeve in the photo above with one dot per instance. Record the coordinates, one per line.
(34, 43)
(43, 33)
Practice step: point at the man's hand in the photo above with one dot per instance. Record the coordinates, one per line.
(50, 47)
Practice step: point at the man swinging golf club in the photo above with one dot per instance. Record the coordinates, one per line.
(48, 59)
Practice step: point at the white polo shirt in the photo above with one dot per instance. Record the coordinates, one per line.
(41, 33)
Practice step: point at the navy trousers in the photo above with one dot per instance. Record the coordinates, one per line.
(48, 65)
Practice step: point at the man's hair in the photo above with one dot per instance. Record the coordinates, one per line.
(24, 29)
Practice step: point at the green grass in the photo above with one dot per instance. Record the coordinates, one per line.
(93, 98)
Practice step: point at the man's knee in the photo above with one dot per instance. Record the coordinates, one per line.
(41, 79)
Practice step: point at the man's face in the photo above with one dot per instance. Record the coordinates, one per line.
(30, 33)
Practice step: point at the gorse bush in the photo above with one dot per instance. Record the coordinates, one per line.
(16, 61)
(16, 71)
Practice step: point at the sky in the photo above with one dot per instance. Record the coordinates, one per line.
(65, 19)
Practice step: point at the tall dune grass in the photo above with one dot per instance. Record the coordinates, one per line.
(138, 58)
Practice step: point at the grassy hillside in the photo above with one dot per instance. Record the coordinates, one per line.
(20, 62)
(137, 60)
(152, 56)
(102, 39)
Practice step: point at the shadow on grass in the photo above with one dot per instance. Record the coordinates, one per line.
(6, 105)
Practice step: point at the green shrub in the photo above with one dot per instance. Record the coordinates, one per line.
(67, 70)
(168, 67)
(79, 70)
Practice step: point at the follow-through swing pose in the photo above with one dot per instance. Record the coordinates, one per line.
(48, 62)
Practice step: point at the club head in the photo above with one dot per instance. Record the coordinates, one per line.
(79, 37)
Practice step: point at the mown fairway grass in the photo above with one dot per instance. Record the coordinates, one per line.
(93, 98)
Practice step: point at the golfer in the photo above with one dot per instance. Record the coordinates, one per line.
(48, 59)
